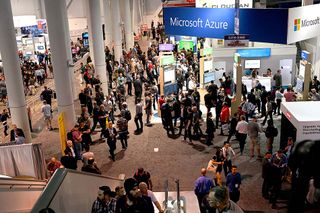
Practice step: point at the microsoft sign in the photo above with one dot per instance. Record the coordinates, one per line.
(303, 23)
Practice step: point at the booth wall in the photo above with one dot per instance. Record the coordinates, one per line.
(273, 62)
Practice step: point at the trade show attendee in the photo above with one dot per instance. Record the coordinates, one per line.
(269, 110)
(279, 96)
(233, 125)
(53, 165)
(86, 155)
(14, 131)
(210, 129)
(270, 133)
(266, 175)
(233, 182)
(111, 135)
(104, 201)
(143, 176)
(138, 117)
(134, 201)
(224, 116)
(218, 198)
(91, 167)
(253, 133)
(46, 95)
(146, 192)
(227, 153)
(122, 125)
(314, 96)
(290, 95)
(202, 188)
(242, 131)
(68, 161)
(47, 114)
(20, 139)
(278, 79)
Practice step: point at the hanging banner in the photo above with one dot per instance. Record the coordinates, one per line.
(62, 133)
(236, 40)
(223, 3)
(199, 22)
(303, 23)
(216, 23)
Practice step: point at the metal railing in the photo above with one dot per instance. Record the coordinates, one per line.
(51, 193)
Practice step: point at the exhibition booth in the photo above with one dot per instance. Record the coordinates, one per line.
(300, 120)
(207, 74)
(167, 77)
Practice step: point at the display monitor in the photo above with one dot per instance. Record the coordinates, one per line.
(169, 74)
(208, 65)
(255, 64)
(208, 77)
(302, 70)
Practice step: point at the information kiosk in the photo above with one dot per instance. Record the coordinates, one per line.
(207, 74)
(168, 83)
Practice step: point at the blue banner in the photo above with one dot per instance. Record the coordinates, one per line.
(262, 25)
(199, 22)
(254, 53)
(265, 25)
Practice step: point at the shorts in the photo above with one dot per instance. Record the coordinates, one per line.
(255, 141)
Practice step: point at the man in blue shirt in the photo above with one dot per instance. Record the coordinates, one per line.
(202, 187)
(233, 184)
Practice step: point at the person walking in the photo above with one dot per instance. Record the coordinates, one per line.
(242, 131)
(269, 110)
(227, 153)
(138, 117)
(210, 129)
(224, 116)
(233, 183)
(202, 187)
(253, 133)
(122, 125)
(111, 135)
(271, 132)
(266, 174)
(47, 114)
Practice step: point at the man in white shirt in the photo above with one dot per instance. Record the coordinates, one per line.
(227, 153)
(242, 131)
(47, 113)
(145, 191)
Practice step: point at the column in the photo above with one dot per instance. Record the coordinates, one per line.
(107, 23)
(116, 29)
(69, 54)
(127, 24)
(12, 73)
(97, 43)
(57, 34)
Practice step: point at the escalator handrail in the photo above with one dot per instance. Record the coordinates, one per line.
(54, 184)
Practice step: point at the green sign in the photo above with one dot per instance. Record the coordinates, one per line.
(187, 45)
(207, 51)
(236, 58)
(165, 60)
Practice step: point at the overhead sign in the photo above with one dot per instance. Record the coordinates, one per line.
(303, 23)
(223, 3)
(254, 53)
(218, 22)
(166, 47)
(236, 40)
(305, 55)
(199, 22)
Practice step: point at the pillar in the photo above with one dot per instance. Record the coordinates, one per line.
(107, 23)
(57, 34)
(136, 15)
(97, 43)
(69, 54)
(116, 30)
(127, 25)
(307, 80)
(12, 73)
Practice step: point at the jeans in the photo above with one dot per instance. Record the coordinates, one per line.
(77, 150)
(137, 120)
(123, 139)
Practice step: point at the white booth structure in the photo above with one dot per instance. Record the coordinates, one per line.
(300, 120)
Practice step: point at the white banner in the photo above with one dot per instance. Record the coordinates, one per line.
(223, 3)
(303, 23)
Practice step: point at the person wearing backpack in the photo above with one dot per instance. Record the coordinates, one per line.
(127, 113)
(122, 125)
(271, 132)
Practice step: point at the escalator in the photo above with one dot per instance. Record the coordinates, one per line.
(72, 191)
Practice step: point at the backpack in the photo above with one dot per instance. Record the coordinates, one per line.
(122, 124)
(127, 115)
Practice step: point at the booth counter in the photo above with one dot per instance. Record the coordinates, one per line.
(300, 120)
(252, 82)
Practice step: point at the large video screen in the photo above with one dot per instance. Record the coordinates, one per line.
(254, 64)
(208, 77)
(169, 74)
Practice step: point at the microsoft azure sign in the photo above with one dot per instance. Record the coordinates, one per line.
(199, 22)
(303, 23)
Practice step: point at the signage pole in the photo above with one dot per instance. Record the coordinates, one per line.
(236, 102)
(307, 79)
